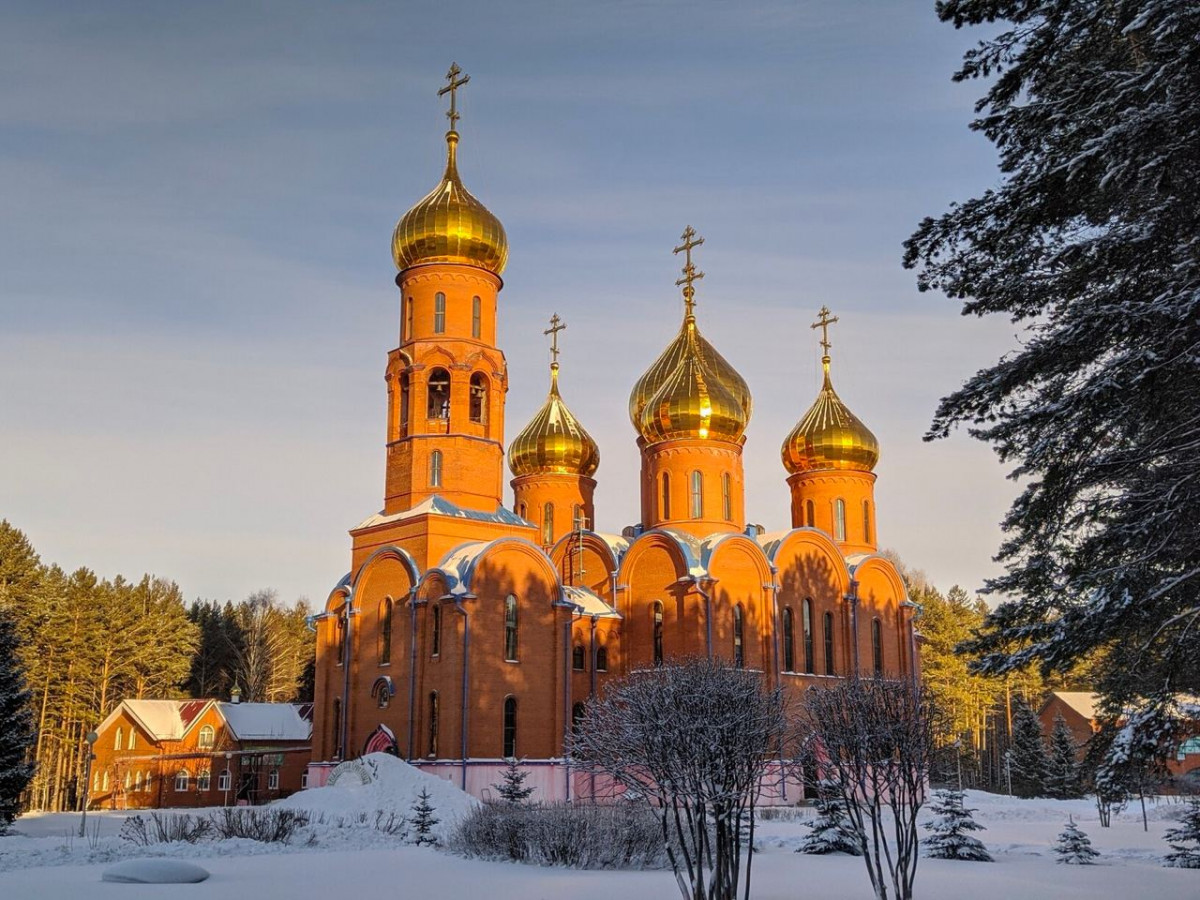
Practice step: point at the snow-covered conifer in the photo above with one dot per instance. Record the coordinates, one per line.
(1185, 839)
(948, 838)
(16, 723)
(1074, 847)
(512, 788)
(1062, 766)
(1027, 755)
(423, 819)
(830, 831)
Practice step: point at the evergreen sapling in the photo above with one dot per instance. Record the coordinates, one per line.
(1185, 839)
(1027, 756)
(423, 820)
(512, 788)
(830, 831)
(1073, 846)
(1062, 769)
(948, 838)
(16, 724)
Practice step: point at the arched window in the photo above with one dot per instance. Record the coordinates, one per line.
(439, 313)
(479, 396)
(666, 496)
(435, 630)
(510, 628)
(336, 722)
(578, 655)
(810, 514)
(120, 740)
(807, 625)
(104, 781)
(578, 519)
(132, 743)
(385, 631)
(181, 780)
(727, 497)
(867, 521)
(739, 635)
(138, 783)
(408, 323)
(476, 317)
(697, 495)
(127, 784)
(435, 468)
(548, 523)
(656, 618)
(789, 640)
(577, 713)
(207, 739)
(432, 752)
(439, 394)
(510, 728)
(339, 635)
(877, 645)
(839, 519)
(830, 669)
(601, 659)
(404, 404)
(204, 781)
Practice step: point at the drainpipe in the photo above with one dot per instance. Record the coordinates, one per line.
(917, 611)
(708, 628)
(412, 670)
(347, 651)
(466, 649)
(852, 599)
(567, 701)
(592, 687)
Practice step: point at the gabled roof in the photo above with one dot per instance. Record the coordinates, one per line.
(1082, 702)
(440, 506)
(268, 721)
(588, 602)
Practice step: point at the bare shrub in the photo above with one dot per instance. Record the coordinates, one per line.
(269, 826)
(165, 828)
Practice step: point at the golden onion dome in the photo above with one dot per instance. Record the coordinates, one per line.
(829, 436)
(450, 226)
(699, 398)
(554, 442)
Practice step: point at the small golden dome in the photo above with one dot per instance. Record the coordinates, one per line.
(829, 436)
(699, 398)
(450, 226)
(554, 442)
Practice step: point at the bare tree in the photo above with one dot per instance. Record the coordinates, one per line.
(874, 740)
(693, 741)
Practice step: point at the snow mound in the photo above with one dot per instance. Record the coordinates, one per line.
(154, 871)
(381, 782)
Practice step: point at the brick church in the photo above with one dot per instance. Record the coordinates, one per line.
(467, 632)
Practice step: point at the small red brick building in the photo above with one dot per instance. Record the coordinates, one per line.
(154, 754)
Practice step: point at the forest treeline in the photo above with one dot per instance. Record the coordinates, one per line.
(87, 643)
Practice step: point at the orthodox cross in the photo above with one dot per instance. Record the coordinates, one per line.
(823, 322)
(453, 83)
(580, 523)
(690, 275)
(556, 325)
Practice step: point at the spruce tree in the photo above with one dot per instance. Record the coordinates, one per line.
(830, 831)
(948, 839)
(1062, 767)
(512, 788)
(1027, 755)
(1073, 846)
(1184, 839)
(423, 819)
(16, 723)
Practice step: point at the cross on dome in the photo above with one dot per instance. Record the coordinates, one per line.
(824, 320)
(556, 325)
(453, 83)
(690, 275)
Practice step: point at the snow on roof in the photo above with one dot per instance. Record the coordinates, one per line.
(161, 718)
(440, 506)
(589, 603)
(267, 721)
(617, 543)
(1083, 702)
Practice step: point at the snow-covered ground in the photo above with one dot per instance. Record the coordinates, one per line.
(352, 856)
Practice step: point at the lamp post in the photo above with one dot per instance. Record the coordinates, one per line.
(90, 737)
(228, 774)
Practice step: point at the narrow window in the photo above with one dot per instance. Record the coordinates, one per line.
(666, 496)
(439, 394)
(127, 784)
(697, 495)
(523, 510)
(810, 516)
(181, 780)
(789, 640)
(739, 655)
(510, 628)
(476, 317)
(578, 519)
(577, 712)
(339, 635)
(829, 662)
(408, 330)
(877, 645)
(120, 739)
(223, 781)
(138, 783)
(839, 519)
(435, 468)
(807, 624)
(510, 728)
(104, 781)
(548, 524)
(479, 394)
(132, 745)
(433, 725)
(336, 741)
(435, 637)
(273, 780)
(727, 497)
(404, 404)
(303, 781)
(204, 781)
(208, 736)
(385, 631)
(439, 313)
(577, 658)
(601, 659)
(867, 521)
(656, 614)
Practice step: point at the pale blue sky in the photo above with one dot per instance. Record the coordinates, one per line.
(196, 292)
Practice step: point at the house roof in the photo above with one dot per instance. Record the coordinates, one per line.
(1082, 702)
(268, 721)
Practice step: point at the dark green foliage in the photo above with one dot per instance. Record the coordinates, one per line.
(1184, 839)
(949, 839)
(16, 723)
(512, 788)
(1062, 768)
(1074, 847)
(830, 831)
(1027, 755)
(423, 820)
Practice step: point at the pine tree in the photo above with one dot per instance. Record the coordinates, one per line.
(948, 839)
(512, 788)
(423, 819)
(1062, 767)
(1027, 756)
(1074, 847)
(1185, 839)
(16, 723)
(830, 831)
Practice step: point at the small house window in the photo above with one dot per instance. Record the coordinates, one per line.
(204, 781)
(127, 784)
(439, 394)
(120, 741)
(476, 317)
(433, 725)
(839, 519)
(181, 780)
(697, 495)
(132, 743)
(739, 635)
(138, 783)
(435, 468)
(510, 728)
(829, 661)
(223, 781)
(789, 640)
(273, 780)
(207, 739)
(439, 313)
(479, 394)
(727, 497)
(510, 628)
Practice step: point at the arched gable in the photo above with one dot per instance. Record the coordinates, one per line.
(435, 355)
(718, 549)
(805, 558)
(592, 542)
(466, 561)
(682, 550)
(374, 565)
(878, 570)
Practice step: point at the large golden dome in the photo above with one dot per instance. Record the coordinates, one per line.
(450, 226)
(830, 436)
(700, 398)
(554, 442)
